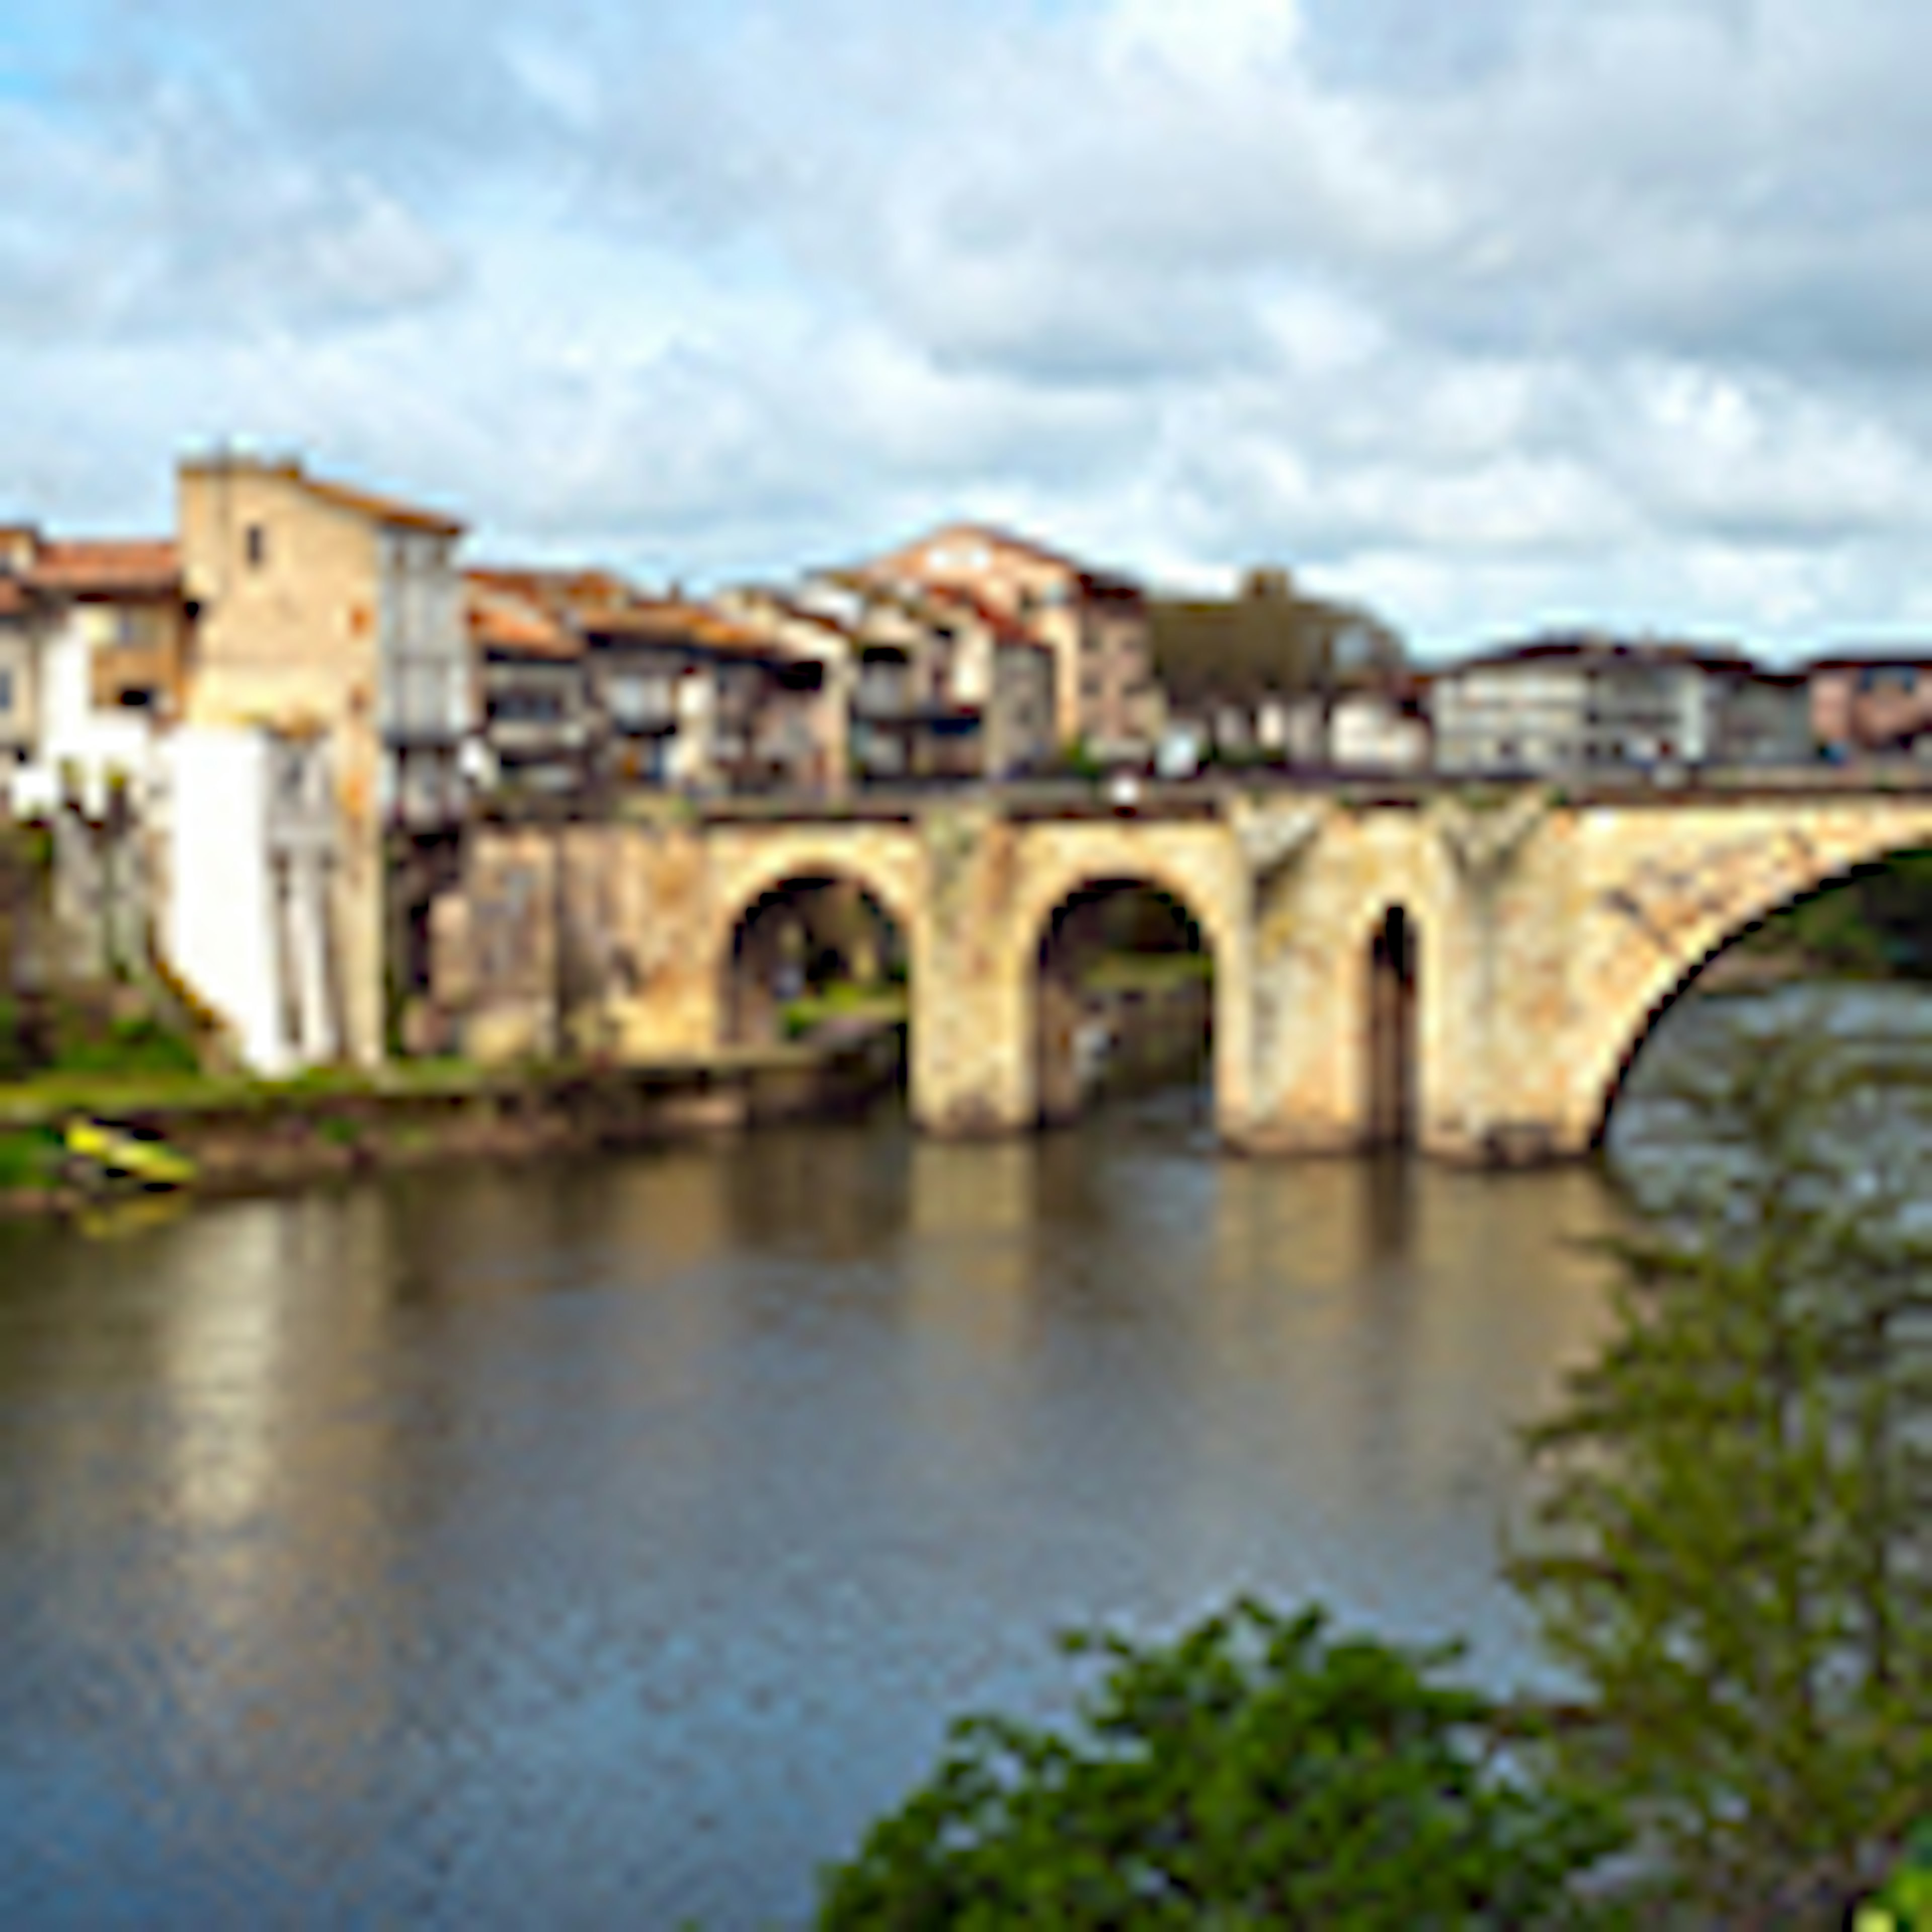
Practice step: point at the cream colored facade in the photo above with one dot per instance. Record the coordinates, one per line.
(1548, 935)
(1095, 625)
(329, 612)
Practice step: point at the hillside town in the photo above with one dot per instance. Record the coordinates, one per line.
(291, 603)
(307, 687)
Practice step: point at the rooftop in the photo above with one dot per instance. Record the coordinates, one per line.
(511, 625)
(105, 567)
(674, 622)
(1594, 647)
(391, 510)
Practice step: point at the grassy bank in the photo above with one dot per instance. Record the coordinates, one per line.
(243, 1132)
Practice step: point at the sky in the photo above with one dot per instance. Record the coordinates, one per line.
(1497, 316)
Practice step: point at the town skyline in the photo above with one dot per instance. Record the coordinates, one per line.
(1497, 324)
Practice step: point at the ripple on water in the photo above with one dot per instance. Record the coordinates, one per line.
(605, 1542)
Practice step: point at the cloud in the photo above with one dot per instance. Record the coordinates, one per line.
(181, 222)
(1482, 312)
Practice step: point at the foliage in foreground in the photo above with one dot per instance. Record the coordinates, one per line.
(1904, 1903)
(1252, 1772)
(1733, 1548)
(1876, 924)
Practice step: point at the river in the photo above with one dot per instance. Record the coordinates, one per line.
(601, 1543)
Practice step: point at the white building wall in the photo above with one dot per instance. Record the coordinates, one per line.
(218, 925)
(247, 920)
(1367, 731)
(75, 740)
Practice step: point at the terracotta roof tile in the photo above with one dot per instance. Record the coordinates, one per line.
(1022, 545)
(513, 626)
(674, 621)
(381, 509)
(562, 591)
(88, 567)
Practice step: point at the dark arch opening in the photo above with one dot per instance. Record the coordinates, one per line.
(1390, 1109)
(1124, 998)
(1873, 918)
(816, 957)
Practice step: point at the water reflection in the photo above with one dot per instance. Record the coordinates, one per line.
(602, 1542)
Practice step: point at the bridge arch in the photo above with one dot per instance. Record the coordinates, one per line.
(1087, 871)
(1660, 952)
(778, 915)
(1082, 1027)
(1390, 957)
(800, 939)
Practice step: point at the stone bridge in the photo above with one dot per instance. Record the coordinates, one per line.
(1542, 934)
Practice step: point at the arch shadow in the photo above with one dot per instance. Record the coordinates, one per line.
(1391, 1106)
(817, 950)
(1120, 993)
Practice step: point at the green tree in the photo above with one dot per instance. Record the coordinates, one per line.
(1875, 922)
(1252, 1772)
(1732, 1540)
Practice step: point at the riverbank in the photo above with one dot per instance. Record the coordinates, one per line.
(244, 1135)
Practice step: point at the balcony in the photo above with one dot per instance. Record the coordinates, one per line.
(424, 701)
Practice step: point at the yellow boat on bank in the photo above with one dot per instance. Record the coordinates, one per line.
(120, 1155)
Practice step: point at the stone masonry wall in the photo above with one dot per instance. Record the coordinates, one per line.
(1548, 934)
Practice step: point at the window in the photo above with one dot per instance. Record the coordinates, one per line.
(6, 689)
(255, 545)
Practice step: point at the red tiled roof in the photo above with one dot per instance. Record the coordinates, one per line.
(562, 591)
(381, 509)
(1102, 583)
(88, 567)
(12, 597)
(673, 621)
(514, 626)
(1022, 546)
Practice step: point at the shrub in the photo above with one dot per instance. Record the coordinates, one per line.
(1734, 1548)
(1251, 1772)
(1905, 1903)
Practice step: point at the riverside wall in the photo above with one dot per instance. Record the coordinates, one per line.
(283, 1134)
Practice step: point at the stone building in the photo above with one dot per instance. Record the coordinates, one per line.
(686, 697)
(532, 699)
(333, 617)
(808, 636)
(998, 668)
(932, 682)
(1094, 622)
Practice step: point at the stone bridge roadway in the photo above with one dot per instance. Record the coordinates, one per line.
(1548, 929)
